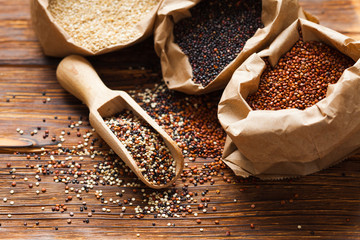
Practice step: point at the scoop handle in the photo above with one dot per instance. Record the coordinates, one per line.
(78, 77)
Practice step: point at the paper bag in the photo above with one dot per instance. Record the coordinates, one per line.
(177, 72)
(56, 42)
(286, 143)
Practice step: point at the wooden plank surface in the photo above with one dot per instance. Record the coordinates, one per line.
(324, 205)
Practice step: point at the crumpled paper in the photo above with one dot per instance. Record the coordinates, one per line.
(56, 42)
(291, 142)
(177, 72)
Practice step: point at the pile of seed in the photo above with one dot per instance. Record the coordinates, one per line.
(215, 34)
(146, 146)
(98, 24)
(191, 121)
(300, 78)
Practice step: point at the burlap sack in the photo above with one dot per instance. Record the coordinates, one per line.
(176, 69)
(56, 42)
(291, 142)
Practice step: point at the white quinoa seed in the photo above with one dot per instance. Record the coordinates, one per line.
(98, 24)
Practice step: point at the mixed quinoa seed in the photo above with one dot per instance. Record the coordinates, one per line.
(215, 34)
(145, 145)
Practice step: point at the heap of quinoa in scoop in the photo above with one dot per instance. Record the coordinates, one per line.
(145, 145)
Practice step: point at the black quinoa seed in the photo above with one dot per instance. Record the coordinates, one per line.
(215, 34)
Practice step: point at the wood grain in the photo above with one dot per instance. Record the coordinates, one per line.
(326, 205)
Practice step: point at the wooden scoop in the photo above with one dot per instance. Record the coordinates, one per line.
(79, 78)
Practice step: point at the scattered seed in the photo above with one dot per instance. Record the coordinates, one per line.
(190, 120)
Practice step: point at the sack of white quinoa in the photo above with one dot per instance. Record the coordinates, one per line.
(91, 27)
(294, 108)
(201, 43)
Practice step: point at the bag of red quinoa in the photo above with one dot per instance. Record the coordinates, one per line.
(201, 43)
(91, 27)
(308, 134)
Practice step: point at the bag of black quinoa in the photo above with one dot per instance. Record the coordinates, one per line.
(91, 27)
(294, 108)
(201, 43)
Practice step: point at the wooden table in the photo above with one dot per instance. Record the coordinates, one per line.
(323, 205)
